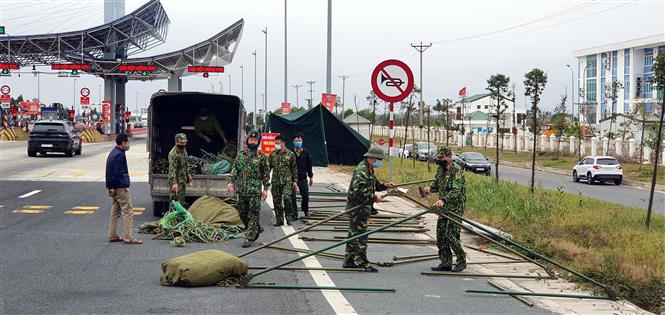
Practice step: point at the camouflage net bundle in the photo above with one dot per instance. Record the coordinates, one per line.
(178, 222)
(207, 164)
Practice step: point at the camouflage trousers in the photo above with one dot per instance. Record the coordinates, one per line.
(180, 195)
(249, 207)
(448, 242)
(281, 199)
(356, 251)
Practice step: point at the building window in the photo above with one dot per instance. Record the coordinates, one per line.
(615, 63)
(591, 90)
(478, 107)
(626, 76)
(486, 106)
(648, 60)
(591, 66)
(648, 86)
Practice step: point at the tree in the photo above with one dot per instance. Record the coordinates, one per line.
(658, 81)
(444, 105)
(534, 84)
(497, 85)
(348, 112)
(560, 121)
(15, 101)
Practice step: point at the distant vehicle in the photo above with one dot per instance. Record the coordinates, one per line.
(598, 168)
(424, 151)
(54, 136)
(138, 125)
(405, 151)
(474, 162)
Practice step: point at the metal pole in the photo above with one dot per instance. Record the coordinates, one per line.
(329, 51)
(311, 90)
(655, 163)
(229, 85)
(297, 86)
(391, 140)
(255, 111)
(286, 80)
(572, 92)
(265, 83)
(296, 287)
(242, 84)
(344, 77)
(572, 296)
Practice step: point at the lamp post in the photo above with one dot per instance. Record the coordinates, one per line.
(572, 91)
(255, 111)
(265, 83)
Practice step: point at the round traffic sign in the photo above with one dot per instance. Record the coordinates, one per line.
(392, 80)
(5, 89)
(161, 91)
(85, 91)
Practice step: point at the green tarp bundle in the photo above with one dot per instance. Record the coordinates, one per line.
(212, 210)
(329, 140)
(202, 268)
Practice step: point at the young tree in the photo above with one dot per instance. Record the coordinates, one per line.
(658, 81)
(497, 85)
(560, 121)
(534, 84)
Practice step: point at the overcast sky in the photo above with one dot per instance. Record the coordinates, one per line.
(470, 41)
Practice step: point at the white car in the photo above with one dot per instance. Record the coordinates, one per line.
(598, 168)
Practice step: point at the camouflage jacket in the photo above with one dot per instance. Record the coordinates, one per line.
(283, 166)
(250, 172)
(451, 187)
(363, 185)
(178, 167)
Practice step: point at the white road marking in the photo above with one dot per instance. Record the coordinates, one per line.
(34, 192)
(336, 299)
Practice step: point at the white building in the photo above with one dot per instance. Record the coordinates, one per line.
(623, 70)
(469, 110)
(359, 124)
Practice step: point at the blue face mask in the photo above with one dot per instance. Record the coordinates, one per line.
(298, 144)
(377, 163)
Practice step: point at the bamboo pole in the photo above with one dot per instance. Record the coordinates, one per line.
(297, 287)
(313, 268)
(519, 298)
(511, 293)
(482, 275)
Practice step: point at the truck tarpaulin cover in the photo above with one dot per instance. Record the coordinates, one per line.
(329, 140)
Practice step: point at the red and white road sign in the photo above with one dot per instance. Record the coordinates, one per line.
(5, 100)
(286, 108)
(85, 100)
(85, 92)
(392, 80)
(5, 90)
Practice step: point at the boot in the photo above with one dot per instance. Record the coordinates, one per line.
(246, 243)
(461, 265)
(371, 269)
(441, 268)
(349, 265)
(279, 223)
(288, 222)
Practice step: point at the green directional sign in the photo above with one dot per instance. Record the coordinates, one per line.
(2, 30)
(5, 71)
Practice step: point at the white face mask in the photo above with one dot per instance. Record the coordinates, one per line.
(278, 146)
(204, 118)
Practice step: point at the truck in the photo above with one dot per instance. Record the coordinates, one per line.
(170, 113)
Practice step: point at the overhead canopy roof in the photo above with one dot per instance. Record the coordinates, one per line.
(142, 29)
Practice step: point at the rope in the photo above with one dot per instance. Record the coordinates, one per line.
(178, 222)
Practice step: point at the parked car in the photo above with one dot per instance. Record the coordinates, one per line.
(598, 168)
(474, 162)
(424, 151)
(54, 136)
(406, 151)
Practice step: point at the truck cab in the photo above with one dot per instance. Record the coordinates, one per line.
(175, 112)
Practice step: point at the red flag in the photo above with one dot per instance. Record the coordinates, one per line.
(462, 92)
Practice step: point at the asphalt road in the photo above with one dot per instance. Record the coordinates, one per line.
(53, 262)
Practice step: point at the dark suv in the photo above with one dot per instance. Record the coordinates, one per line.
(54, 136)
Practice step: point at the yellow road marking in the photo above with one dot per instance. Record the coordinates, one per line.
(139, 209)
(79, 212)
(28, 211)
(37, 207)
(85, 208)
(1, 206)
(79, 173)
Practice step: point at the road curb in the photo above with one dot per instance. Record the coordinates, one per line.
(626, 182)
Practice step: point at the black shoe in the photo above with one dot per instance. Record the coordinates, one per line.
(278, 224)
(246, 243)
(288, 222)
(295, 217)
(461, 265)
(442, 268)
(349, 266)
(371, 269)
(255, 237)
(306, 215)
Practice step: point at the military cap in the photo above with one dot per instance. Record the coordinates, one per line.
(375, 152)
(181, 137)
(444, 151)
(254, 134)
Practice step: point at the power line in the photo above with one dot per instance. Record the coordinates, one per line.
(311, 91)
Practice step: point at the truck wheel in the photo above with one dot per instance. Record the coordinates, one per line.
(78, 151)
(159, 208)
(70, 153)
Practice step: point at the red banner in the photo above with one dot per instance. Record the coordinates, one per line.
(462, 92)
(286, 108)
(268, 142)
(85, 100)
(5, 99)
(106, 111)
(328, 101)
(30, 108)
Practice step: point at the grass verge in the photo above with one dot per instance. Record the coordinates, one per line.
(604, 240)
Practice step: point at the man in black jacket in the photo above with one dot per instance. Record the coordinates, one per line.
(304, 165)
(117, 185)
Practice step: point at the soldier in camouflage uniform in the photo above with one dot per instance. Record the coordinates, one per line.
(179, 175)
(362, 190)
(449, 183)
(250, 172)
(282, 162)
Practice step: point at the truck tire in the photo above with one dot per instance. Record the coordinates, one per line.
(70, 152)
(80, 148)
(159, 208)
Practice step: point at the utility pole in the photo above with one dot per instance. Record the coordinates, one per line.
(421, 48)
(343, 77)
(572, 91)
(297, 86)
(255, 112)
(229, 85)
(242, 84)
(311, 90)
(265, 83)
(286, 98)
(329, 51)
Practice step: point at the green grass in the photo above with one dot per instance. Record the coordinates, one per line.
(604, 240)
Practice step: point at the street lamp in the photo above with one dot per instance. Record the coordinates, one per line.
(265, 87)
(255, 112)
(229, 84)
(74, 104)
(572, 91)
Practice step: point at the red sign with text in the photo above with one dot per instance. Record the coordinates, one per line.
(328, 101)
(286, 108)
(106, 111)
(85, 100)
(30, 108)
(268, 142)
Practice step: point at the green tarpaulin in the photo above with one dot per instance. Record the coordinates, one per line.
(329, 139)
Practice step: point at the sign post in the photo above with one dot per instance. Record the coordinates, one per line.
(392, 81)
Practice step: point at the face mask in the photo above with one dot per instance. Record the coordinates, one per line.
(204, 118)
(180, 146)
(126, 147)
(377, 163)
(443, 163)
(298, 144)
(252, 146)
(278, 146)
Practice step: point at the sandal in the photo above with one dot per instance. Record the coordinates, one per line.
(115, 239)
(132, 241)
